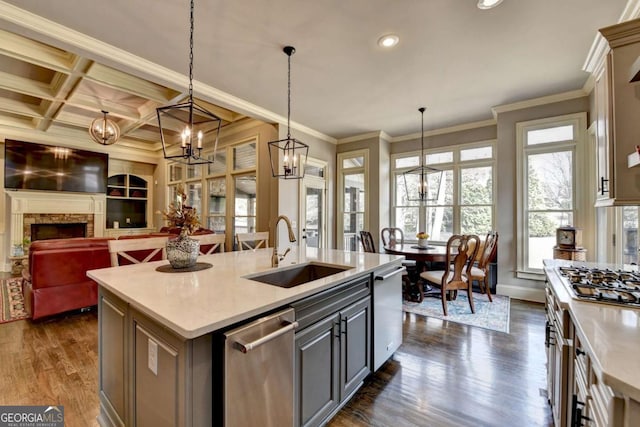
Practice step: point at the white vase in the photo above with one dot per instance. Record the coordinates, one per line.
(423, 243)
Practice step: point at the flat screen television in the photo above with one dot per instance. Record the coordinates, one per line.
(30, 166)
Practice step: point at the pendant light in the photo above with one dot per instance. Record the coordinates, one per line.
(288, 156)
(103, 130)
(416, 181)
(189, 125)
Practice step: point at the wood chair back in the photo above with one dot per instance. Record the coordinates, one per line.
(137, 251)
(392, 234)
(489, 251)
(253, 241)
(367, 241)
(460, 255)
(209, 243)
(480, 273)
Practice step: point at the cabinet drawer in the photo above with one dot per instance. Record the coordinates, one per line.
(317, 307)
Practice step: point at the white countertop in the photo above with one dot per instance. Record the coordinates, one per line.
(195, 303)
(611, 333)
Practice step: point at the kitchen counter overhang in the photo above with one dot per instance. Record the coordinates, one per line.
(192, 304)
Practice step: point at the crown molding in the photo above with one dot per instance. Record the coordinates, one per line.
(57, 33)
(535, 102)
(375, 134)
(447, 130)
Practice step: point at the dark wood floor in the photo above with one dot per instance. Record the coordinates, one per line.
(445, 374)
(448, 374)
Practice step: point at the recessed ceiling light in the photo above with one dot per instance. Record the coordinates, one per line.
(390, 40)
(488, 4)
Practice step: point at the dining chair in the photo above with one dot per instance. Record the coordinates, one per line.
(480, 271)
(137, 251)
(209, 243)
(252, 241)
(368, 245)
(395, 236)
(392, 235)
(460, 255)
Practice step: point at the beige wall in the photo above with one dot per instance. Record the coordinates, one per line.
(505, 134)
(379, 182)
(507, 178)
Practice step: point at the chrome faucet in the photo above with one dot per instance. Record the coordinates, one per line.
(276, 257)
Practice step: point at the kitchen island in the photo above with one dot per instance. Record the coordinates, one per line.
(592, 346)
(158, 330)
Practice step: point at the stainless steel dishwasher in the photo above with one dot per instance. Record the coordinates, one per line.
(258, 372)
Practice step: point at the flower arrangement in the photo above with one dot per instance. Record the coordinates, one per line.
(422, 235)
(180, 215)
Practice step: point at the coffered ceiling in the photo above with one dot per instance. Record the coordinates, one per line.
(51, 90)
(63, 62)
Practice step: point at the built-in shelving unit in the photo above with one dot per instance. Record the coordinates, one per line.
(127, 201)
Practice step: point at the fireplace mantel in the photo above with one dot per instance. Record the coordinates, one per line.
(52, 202)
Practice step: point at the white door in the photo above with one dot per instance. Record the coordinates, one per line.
(313, 207)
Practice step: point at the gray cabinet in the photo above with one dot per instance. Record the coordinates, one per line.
(355, 346)
(332, 350)
(317, 361)
(149, 376)
(111, 346)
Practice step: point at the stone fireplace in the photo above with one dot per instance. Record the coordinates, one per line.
(43, 207)
(45, 226)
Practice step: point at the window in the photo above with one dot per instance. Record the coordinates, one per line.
(629, 234)
(461, 198)
(546, 187)
(224, 192)
(353, 179)
(244, 218)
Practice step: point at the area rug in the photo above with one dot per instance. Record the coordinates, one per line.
(489, 315)
(11, 300)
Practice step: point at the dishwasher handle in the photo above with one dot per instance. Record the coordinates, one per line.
(393, 273)
(246, 347)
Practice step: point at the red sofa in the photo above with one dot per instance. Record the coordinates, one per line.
(56, 280)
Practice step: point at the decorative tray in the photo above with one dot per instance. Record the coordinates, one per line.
(197, 267)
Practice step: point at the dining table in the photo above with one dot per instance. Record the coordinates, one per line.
(422, 256)
(417, 253)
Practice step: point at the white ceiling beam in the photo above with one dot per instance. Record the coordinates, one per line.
(127, 83)
(12, 83)
(34, 52)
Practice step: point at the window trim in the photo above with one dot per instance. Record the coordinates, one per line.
(456, 167)
(340, 186)
(579, 121)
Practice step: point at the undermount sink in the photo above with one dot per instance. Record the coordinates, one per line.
(299, 274)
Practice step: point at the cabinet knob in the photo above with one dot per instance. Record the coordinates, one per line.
(579, 352)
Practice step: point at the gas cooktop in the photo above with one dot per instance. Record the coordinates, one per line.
(603, 285)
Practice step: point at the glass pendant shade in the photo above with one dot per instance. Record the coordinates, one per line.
(288, 156)
(422, 184)
(189, 132)
(104, 131)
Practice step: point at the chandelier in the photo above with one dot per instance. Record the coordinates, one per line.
(288, 156)
(416, 181)
(103, 130)
(195, 129)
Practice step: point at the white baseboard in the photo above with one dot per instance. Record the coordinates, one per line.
(519, 292)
